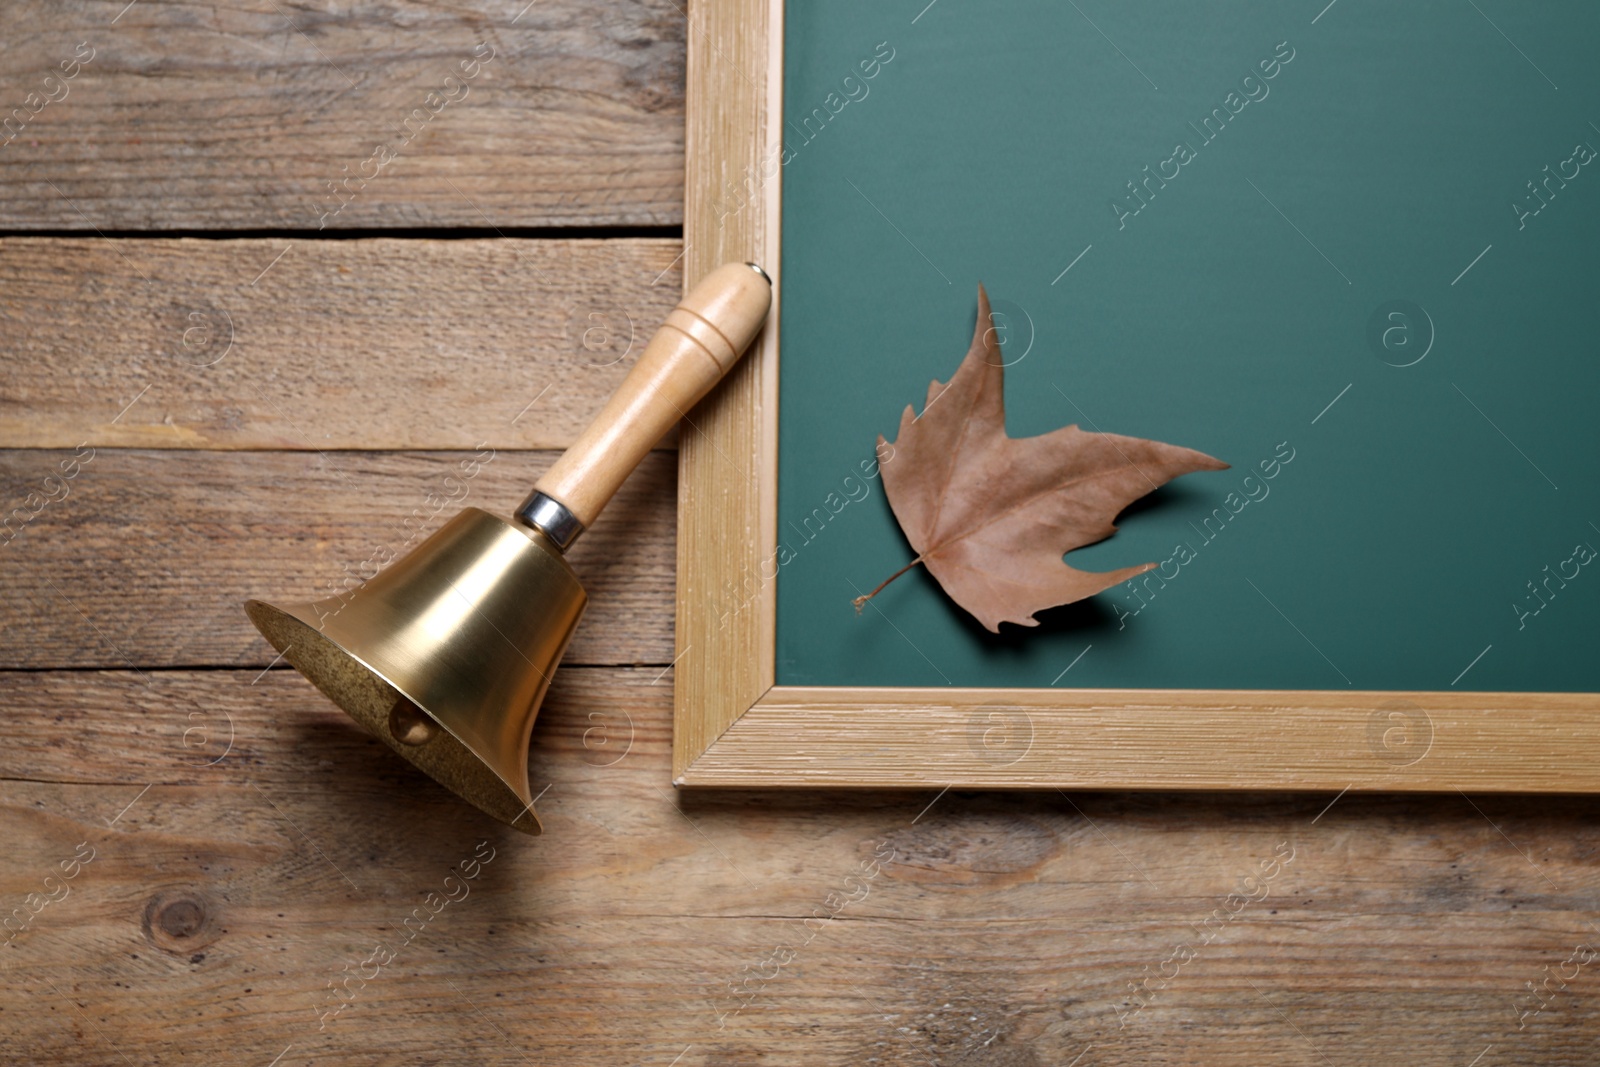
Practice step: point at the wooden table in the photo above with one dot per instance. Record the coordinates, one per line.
(206, 398)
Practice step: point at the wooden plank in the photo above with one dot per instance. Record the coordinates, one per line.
(321, 344)
(245, 117)
(837, 927)
(725, 595)
(146, 558)
(1159, 739)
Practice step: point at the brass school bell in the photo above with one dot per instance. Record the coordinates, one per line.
(448, 652)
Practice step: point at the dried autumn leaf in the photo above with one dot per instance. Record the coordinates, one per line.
(991, 516)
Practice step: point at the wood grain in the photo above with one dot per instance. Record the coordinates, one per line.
(726, 462)
(319, 344)
(1160, 739)
(798, 928)
(146, 558)
(230, 117)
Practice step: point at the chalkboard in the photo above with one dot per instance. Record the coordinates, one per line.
(1349, 249)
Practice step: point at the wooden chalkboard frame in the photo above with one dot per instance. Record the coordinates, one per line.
(734, 727)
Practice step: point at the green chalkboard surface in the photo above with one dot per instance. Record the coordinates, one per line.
(1352, 247)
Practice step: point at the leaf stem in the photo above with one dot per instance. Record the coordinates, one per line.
(861, 600)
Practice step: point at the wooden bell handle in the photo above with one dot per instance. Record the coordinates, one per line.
(702, 339)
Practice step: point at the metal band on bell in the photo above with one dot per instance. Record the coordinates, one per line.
(550, 515)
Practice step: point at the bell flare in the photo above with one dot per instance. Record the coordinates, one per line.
(446, 654)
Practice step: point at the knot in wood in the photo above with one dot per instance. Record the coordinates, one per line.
(180, 921)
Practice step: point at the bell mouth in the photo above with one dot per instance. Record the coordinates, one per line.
(394, 716)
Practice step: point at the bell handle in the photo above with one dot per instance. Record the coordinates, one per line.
(701, 340)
